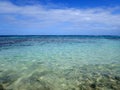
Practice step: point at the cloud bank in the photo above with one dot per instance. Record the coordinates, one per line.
(38, 17)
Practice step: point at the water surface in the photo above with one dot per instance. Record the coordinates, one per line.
(59, 63)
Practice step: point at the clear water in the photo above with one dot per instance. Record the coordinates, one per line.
(59, 63)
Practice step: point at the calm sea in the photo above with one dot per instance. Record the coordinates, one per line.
(60, 62)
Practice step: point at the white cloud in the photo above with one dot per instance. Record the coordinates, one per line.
(39, 16)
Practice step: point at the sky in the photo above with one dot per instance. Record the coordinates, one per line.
(59, 17)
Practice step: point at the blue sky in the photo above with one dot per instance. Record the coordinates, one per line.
(59, 17)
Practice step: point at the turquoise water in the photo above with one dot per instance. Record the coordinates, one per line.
(59, 63)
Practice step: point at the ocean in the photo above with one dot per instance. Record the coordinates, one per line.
(59, 62)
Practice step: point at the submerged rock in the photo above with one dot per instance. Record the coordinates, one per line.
(93, 85)
(1, 87)
(117, 78)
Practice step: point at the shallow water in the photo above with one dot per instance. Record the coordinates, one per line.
(59, 63)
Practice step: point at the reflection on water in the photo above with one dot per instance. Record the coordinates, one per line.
(59, 63)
